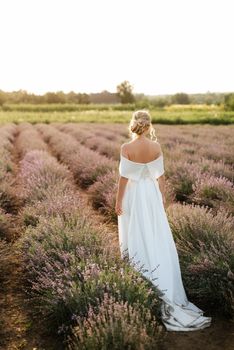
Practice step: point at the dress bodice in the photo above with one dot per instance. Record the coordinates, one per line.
(136, 171)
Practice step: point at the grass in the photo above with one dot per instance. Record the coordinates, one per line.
(190, 114)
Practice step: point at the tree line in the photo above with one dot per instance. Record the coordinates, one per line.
(124, 94)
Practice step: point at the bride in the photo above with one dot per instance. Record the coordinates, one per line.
(144, 232)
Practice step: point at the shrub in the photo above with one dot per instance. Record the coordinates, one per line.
(217, 152)
(29, 139)
(68, 271)
(71, 130)
(116, 325)
(55, 253)
(88, 165)
(216, 168)
(7, 134)
(205, 245)
(110, 149)
(42, 176)
(182, 175)
(6, 226)
(5, 251)
(9, 199)
(102, 194)
(229, 101)
(57, 205)
(211, 191)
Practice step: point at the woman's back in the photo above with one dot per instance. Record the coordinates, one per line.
(141, 150)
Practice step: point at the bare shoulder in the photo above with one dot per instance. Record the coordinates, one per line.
(124, 149)
(157, 146)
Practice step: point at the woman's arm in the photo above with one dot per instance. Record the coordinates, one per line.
(161, 179)
(161, 182)
(122, 182)
(120, 193)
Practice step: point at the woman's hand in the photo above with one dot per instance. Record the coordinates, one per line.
(118, 208)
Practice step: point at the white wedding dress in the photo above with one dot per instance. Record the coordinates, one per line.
(146, 238)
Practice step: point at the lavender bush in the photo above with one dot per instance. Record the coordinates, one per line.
(9, 199)
(88, 165)
(64, 205)
(205, 244)
(217, 168)
(103, 146)
(182, 175)
(7, 134)
(5, 251)
(7, 195)
(102, 194)
(78, 133)
(6, 226)
(42, 176)
(29, 139)
(116, 325)
(55, 253)
(212, 191)
(68, 271)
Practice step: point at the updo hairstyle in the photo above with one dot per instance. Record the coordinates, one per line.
(139, 123)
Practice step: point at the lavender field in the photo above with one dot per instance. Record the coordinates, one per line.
(57, 193)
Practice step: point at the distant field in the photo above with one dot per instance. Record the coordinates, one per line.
(190, 114)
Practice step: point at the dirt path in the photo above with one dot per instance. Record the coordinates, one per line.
(20, 326)
(219, 336)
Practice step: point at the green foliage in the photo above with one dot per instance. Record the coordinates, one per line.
(181, 98)
(22, 96)
(106, 97)
(204, 242)
(2, 98)
(142, 104)
(109, 328)
(124, 91)
(118, 113)
(160, 102)
(229, 102)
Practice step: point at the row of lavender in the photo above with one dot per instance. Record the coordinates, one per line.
(7, 134)
(204, 235)
(93, 298)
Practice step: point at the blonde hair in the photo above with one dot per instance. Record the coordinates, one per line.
(140, 122)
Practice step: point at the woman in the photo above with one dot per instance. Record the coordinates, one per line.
(144, 232)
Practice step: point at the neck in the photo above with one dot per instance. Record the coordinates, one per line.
(142, 136)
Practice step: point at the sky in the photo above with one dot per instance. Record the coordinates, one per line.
(159, 46)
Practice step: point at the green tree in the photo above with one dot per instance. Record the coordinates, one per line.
(55, 97)
(83, 98)
(160, 102)
(229, 102)
(3, 97)
(125, 92)
(181, 98)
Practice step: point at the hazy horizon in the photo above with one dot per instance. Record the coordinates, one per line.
(161, 47)
(96, 92)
